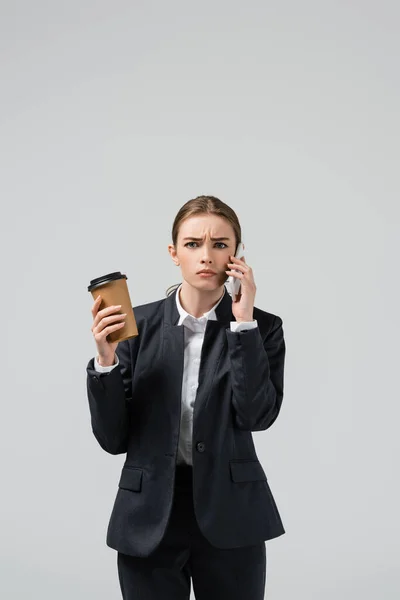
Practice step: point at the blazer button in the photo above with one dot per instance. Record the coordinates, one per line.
(200, 446)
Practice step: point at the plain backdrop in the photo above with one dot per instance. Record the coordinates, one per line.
(113, 115)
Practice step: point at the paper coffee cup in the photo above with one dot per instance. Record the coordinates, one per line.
(113, 290)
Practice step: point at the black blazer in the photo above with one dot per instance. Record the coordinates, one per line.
(136, 408)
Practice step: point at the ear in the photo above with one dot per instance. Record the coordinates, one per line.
(172, 251)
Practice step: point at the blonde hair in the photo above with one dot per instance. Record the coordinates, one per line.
(204, 205)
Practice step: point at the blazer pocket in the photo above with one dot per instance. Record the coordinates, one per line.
(246, 470)
(131, 479)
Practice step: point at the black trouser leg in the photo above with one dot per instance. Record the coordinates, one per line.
(185, 554)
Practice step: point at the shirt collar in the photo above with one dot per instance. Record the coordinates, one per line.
(194, 323)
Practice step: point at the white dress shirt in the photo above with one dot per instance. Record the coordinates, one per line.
(193, 336)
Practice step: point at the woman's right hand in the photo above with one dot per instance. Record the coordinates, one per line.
(105, 322)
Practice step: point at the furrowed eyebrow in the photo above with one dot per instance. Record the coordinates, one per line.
(217, 239)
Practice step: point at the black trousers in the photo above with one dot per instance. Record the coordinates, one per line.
(185, 555)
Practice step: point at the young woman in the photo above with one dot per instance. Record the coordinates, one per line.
(181, 400)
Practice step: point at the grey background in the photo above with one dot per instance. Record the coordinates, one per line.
(113, 114)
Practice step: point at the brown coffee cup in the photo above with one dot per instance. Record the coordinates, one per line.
(113, 290)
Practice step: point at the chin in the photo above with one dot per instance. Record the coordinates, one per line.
(209, 284)
(206, 284)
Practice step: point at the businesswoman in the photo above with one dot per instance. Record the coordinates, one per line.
(181, 400)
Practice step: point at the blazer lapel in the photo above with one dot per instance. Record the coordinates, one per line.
(172, 354)
(213, 349)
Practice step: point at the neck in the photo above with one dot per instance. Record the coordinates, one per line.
(197, 302)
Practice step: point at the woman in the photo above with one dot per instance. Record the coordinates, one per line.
(181, 400)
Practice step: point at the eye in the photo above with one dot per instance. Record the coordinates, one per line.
(222, 243)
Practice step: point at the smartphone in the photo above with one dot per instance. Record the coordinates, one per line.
(233, 283)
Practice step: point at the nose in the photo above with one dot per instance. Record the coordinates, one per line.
(206, 255)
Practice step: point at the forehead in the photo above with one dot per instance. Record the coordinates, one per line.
(206, 225)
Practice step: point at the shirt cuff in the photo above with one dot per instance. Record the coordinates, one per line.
(243, 325)
(101, 369)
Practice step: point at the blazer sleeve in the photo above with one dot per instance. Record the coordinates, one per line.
(257, 375)
(109, 395)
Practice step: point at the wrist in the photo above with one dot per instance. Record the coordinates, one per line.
(104, 362)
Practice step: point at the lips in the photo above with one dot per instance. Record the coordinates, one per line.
(206, 271)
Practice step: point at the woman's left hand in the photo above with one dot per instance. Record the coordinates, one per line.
(242, 306)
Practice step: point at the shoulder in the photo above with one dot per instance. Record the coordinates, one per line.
(148, 318)
(150, 310)
(150, 307)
